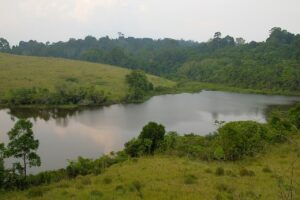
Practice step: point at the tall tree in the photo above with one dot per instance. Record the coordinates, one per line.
(153, 132)
(23, 145)
(4, 45)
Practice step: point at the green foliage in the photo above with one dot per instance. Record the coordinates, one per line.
(294, 115)
(268, 66)
(238, 139)
(150, 139)
(220, 171)
(219, 153)
(62, 95)
(23, 145)
(2, 169)
(281, 127)
(190, 179)
(35, 192)
(139, 86)
(107, 180)
(4, 45)
(153, 132)
(138, 147)
(246, 172)
(84, 166)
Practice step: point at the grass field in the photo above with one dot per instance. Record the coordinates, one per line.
(163, 177)
(27, 72)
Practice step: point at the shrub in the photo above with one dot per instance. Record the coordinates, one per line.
(190, 179)
(63, 94)
(137, 185)
(137, 147)
(238, 139)
(294, 115)
(120, 188)
(220, 171)
(96, 193)
(230, 173)
(246, 172)
(219, 153)
(107, 180)
(86, 181)
(266, 169)
(35, 192)
(224, 188)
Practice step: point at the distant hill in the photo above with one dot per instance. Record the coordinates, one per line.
(272, 65)
(27, 72)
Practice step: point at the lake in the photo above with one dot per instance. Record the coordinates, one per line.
(66, 134)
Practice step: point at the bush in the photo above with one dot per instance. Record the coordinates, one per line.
(35, 192)
(190, 179)
(96, 193)
(137, 185)
(266, 169)
(138, 147)
(107, 180)
(246, 172)
(148, 141)
(220, 171)
(63, 94)
(139, 86)
(294, 115)
(238, 139)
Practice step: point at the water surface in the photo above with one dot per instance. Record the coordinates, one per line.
(91, 132)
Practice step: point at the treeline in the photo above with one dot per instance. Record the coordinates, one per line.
(231, 142)
(160, 57)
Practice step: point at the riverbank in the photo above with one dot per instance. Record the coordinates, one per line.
(182, 178)
(181, 87)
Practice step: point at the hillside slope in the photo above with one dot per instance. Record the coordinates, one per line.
(27, 71)
(264, 177)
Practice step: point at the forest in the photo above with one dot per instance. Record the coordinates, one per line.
(271, 65)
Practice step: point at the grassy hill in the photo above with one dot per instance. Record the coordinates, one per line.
(264, 177)
(27, 72)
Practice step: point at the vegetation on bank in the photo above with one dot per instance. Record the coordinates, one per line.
(233, 141)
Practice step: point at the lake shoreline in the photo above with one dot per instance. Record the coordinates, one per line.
(182, 87)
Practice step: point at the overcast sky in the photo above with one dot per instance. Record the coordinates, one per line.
(54, 20)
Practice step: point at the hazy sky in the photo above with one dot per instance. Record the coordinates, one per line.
(54, 20)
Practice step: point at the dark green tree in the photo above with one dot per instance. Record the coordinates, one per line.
(4, 45)
(23, 145)
(153, 132)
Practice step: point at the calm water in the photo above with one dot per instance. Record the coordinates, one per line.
(91, 132)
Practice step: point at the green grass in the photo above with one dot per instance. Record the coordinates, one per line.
(27, 72)
(166, 177)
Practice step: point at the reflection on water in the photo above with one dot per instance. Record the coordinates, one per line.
(66, 134)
